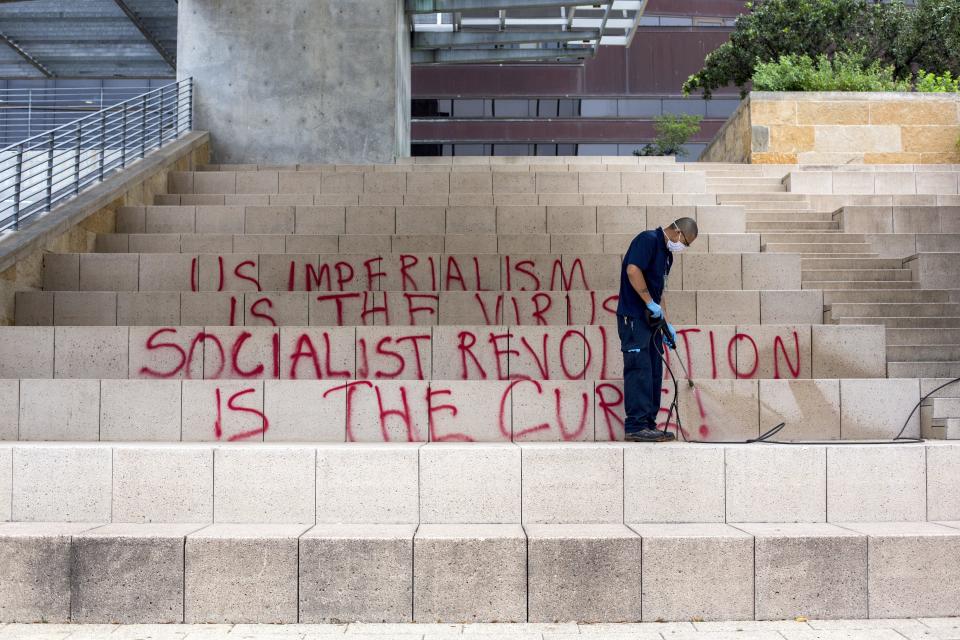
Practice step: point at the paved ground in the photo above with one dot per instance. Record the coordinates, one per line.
(924, 629)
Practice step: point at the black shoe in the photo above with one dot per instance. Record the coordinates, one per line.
(649, 435)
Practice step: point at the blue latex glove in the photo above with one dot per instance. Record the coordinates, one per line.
(655, 309)
(673, 333)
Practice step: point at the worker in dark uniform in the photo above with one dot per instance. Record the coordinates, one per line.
(643, 278)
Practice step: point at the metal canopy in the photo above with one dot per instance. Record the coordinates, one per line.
(493, 31)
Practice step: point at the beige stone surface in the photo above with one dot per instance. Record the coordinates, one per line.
(809, 408)
(825, 112)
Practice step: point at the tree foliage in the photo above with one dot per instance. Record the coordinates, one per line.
(673, 131)
(845, 72)
(927, 36)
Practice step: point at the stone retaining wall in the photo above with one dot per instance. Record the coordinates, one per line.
(840, 128)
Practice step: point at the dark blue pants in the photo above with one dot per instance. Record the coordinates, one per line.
(642, 373)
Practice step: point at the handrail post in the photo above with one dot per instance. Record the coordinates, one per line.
(76, 160)
(103, 141)
(160, 130)
(17, 185)
(50, 172)
(123, 138)
(143, 127)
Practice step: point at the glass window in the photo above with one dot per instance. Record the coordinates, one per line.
(696, 106)
(635, 108)
(597, 149)
(511, 108)
(547, 108)
(598, 108)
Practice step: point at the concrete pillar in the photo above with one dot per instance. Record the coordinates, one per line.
(298, 81)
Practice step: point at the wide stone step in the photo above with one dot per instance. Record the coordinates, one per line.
(453, 573)
(819, 247)
(462, 352)
(403, 308)
(831, 262)
(742, 185)
(925, 369)
(529, 483)
(765, 206)
(836, 256)
(894, 309)
(760, 197)
(791, 226)
(787, 216)
(898, 296)
(527, 243)
(834, 275)
(420, 220)
(898, 337)
(949, 353)
(944, 408)
(613, 179)
(812, 238)
(905, 322)
(845, 285)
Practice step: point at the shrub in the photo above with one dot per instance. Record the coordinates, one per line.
(673, 131)
(932, 83)
(846, 72)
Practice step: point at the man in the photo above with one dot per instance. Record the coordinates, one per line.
(643, 278)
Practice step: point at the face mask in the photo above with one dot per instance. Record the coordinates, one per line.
(676, 247)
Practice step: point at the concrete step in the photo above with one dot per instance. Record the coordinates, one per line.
(905, 322)
(812, 238)
(897, 296)
(894, 309)
(925, 369)
(944, 408)
(787, 216)
(855, 275)
(769, 206)
(760, 197)
(850, 263)
(845, 285)
(898, 337)
(839, 256)
(742, 185)
(461, 352)
(819, 247)
(791, 226)
(924, 353)
(454, 573)
(419, 220)
(559, 483)
(402, 308)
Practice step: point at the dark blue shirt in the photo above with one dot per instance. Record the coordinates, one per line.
(649, 253)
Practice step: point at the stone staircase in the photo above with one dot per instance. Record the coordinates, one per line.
(392, 393)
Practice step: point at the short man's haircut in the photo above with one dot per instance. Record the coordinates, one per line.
(689, 228)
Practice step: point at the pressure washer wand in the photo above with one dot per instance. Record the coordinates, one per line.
(659, 326)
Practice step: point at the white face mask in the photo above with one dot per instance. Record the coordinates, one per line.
(676, 247)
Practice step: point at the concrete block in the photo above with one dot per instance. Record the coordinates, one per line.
(382, 487)
(791, 307)
(575, 569)
(733, 242)
(470, 411)
(167, 352)
(471, 182)
(321, 353)
(167, 219)
(248, 353)
(721, 219)
(9, 421)
(367, 244)
(257, 181)
(162, 483)
(280, 308)
(720, 409)
(223, 410)
(817, 570)
(131, 219)
(230, 272)
(471, 219)
(85, 308)
(572, 219)
(465, 353)
(148, 308)
(728, 307)
(420, 220)
(695, 474)
(641, 182)
(876, 408)
(469, 483)
(849, 351)
(91, 352)
(264, 484)
(209, 308)
(364, 219)
(26, 352)
(61, 271)
(418, 243)
(545, 353)
(356, 572)
(712, 271)
(242, 573)
(109, 271)
(599, 182)
(423, 182)
(663, 215)
(702, 349)
(342, 309)
(876, 483)
(914, 568)
(73, 416)
(402, 353)
(943, 464)
(521, 220)
(148, 243)
(6, 468)
(387, 411)
(702, 571)
(321, 419)
(552, 410)
(557, 182)
(61, 483)
(470, 573)
(220, 219)
(771, 271)
(776, 484)
(590, 272)
(140, 410)
(273, 219)
(773, 351)
(168, 271)
(629, 220)
(572, 483)
(684, 182)
(214, 182)
(129, 573)
(35, 583)
(312, 244)
(33, 308)
(320, 220)
(810, 408)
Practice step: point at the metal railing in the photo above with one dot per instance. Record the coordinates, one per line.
(42, 171)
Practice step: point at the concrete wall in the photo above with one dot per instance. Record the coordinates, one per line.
(74, 225)
(299, 80)
(842, 128)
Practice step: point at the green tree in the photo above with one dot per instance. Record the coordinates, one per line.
(673, 131)
(891, 33)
